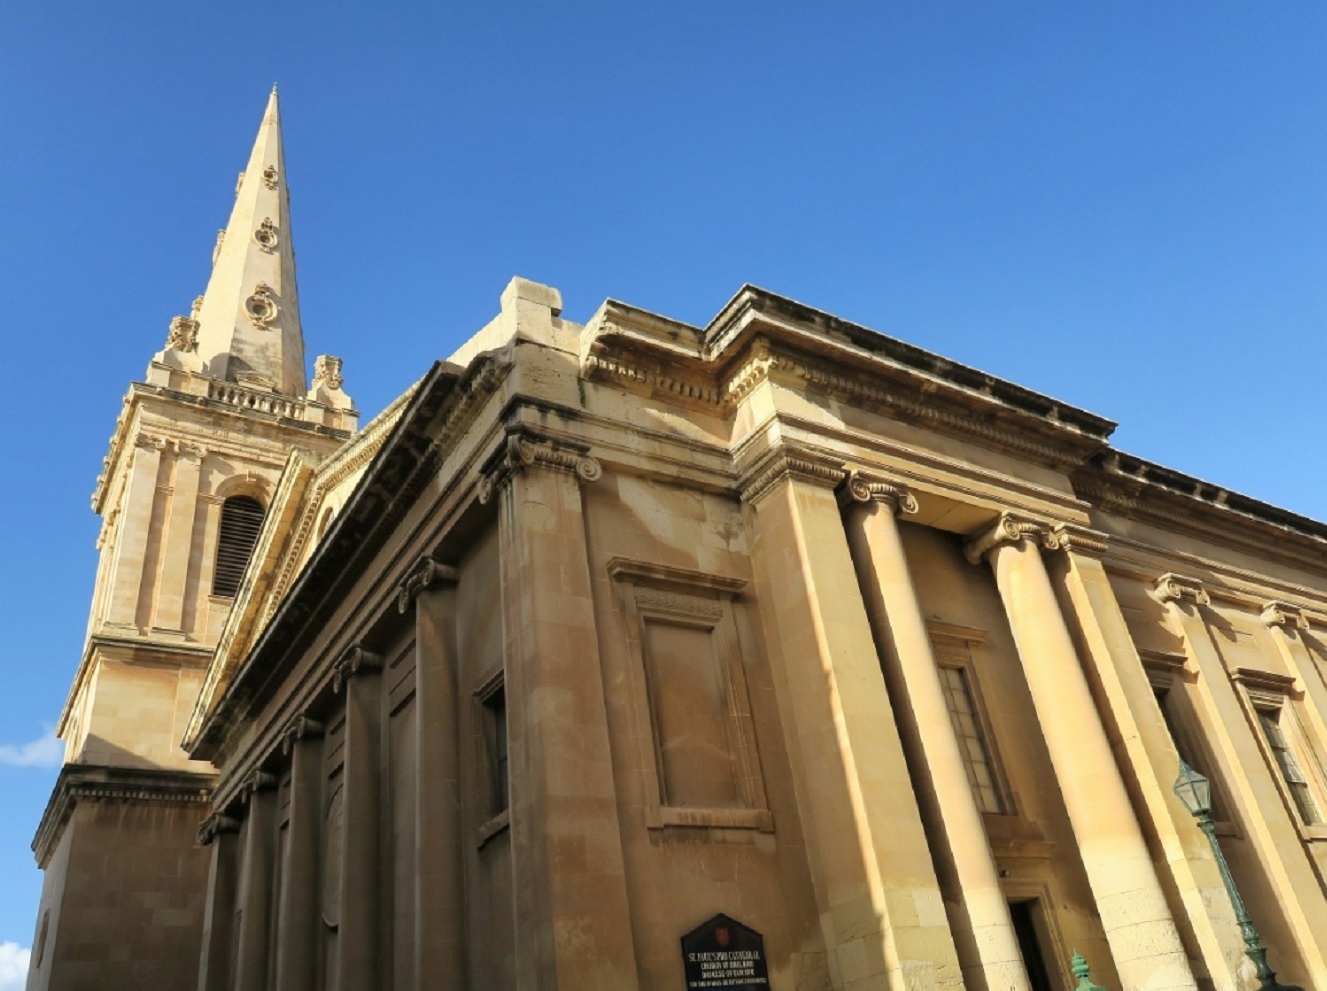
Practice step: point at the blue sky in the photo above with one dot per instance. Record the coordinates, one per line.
(1122, 205)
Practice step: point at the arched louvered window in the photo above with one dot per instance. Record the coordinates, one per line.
(241, 519)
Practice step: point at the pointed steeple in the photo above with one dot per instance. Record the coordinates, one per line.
(248, 322)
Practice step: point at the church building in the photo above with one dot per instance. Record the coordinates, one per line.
(771, 654)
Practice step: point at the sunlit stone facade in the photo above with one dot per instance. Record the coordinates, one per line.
(602, 630)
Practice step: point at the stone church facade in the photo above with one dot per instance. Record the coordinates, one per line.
(601, 631)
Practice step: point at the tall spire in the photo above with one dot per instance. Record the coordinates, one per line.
(248, 323)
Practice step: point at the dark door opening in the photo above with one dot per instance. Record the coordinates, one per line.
(1025, 928)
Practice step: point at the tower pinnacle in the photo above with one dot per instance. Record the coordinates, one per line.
(248, 322)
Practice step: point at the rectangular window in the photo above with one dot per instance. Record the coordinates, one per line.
(972, 741)
(1291, 773)
(494, 709)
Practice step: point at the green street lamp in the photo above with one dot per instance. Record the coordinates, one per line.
(1195, 792)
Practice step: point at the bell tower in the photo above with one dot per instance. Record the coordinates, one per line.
(193, 462)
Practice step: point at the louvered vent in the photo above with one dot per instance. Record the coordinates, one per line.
(241, 519)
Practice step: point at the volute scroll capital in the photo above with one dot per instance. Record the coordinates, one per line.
(356, 660)
(298, 728)
(215, 824)
(1181, 589)
(525, 449)
(258, 780)
(1283, 614)
(1010, 528)
(860, 487)
(1077, 539)
(426, 572)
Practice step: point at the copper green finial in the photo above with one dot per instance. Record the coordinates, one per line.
(1080, 968)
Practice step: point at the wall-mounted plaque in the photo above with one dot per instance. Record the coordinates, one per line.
(724, 955)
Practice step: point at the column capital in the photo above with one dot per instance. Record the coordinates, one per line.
(1172, 587)
(784, 461)
(524, 448)
(1077, 539)
(426, 572)
(1010, 528)
(215, 824)
(1284, 615)
(864, 487)
(256, 781)
(297, 729)
(354, 661)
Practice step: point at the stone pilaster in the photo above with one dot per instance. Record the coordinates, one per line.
(256, 895)
(979, 914)
(177, 544)
(357, 949)
(573, 924)
(1139, 927)
(1267, 826)
(298, 938)
(879, 901)
(440, 936)
(219, 832)
(1146, 743)
(135, 524)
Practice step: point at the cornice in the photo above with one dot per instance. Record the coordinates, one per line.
(760, 336)
(1131, 488)
(97, 783)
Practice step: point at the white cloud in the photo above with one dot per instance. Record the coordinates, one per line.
(13, 966)
(45, 751)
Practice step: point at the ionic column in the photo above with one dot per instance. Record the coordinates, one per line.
(1287, 625)
(1273, 837)
(1145, 742)
(980, 921)
(440, 958)
(177, 545)
(357, 942)
(1129, 898)
(256, 885)
(218, 831)
(881, 911)
(573, 922)
(135, 524)
(297, 940)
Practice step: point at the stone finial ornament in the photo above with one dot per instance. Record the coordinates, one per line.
(327, 372)
(183, 334)
(1081, 970)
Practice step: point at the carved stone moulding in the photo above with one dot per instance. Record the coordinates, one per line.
(426, 572)
(525, 449)
(262, 306)
(861, 487)
(183, 334)
(270, 177)
(1182, 589)
(266, 235)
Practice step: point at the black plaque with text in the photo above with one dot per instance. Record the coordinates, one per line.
(724, 955)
